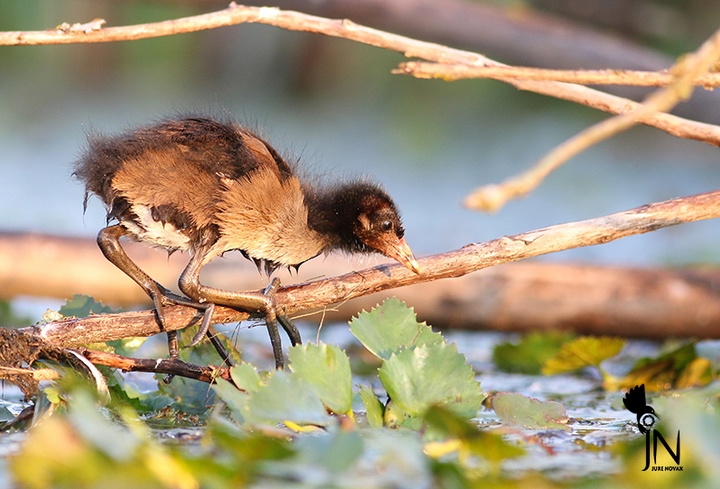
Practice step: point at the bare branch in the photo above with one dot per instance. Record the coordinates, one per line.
(162, 366)
(452, 72)
(295, 298)
(492, 197)
(236, 14)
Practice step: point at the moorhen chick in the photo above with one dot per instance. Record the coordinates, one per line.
(204, 186)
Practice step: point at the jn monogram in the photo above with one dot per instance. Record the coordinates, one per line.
(635, 402)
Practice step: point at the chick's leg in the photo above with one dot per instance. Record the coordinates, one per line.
(109, 242)
(261, 302)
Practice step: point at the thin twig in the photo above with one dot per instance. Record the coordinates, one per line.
(236, 14)
(452, 72)
(491, 197)
(161, 366)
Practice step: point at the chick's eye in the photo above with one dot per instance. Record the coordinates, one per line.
(386, 226)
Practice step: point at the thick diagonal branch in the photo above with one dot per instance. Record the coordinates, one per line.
(476, 256)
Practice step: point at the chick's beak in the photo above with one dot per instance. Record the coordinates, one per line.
(401, 252)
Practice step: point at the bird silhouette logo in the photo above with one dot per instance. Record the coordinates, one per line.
(635, 402)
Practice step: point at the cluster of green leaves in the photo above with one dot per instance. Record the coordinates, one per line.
(299, 425)
(418, 369)
(427, 385)
(679, 367)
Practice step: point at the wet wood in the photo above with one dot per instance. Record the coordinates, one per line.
(161, 366)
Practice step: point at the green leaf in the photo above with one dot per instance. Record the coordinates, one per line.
(431, 374)
(394, 416)
(443, 423)
(529, 355)
(246, 377)
(586, 351)
(327, 370)
(287, 398)
(390, 327)
(373, 407)
(447, 423)
(81, 306)
(109, 438)
(345, 449)
(126, 346)
(530, 413)
(335, 452)
(236, 399)
(239, 448)
(9, 318)
(680, 368)
(7, 415)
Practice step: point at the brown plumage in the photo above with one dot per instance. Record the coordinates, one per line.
(207, 187)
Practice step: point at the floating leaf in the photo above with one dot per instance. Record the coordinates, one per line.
(327, 371)
(390, 327)
(530, 354)
(373, 407)
(246, 377)
(81, 306)
(697, 373)
(530, 413)
(236, 400)
(431, 374)
(464, 437)
(286, 397)
(680, 368)
(586, 351)
(335, 452)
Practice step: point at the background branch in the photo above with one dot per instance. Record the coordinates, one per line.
(571, 35)
(290, 20)
(492, 197)
(452, 72)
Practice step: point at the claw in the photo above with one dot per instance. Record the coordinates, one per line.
(272, 288)
(275, 340)
(163, 297)
(109, 242)
(289, 328)
(272, 317)
(205, 325)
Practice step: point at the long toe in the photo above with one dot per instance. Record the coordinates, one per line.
(290, 328)
(275, 340)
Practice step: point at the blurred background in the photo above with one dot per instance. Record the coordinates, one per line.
(335, 105)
